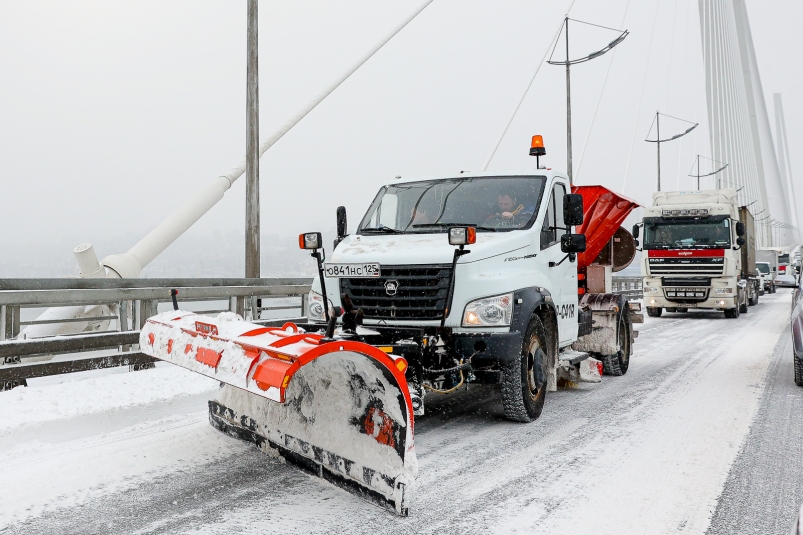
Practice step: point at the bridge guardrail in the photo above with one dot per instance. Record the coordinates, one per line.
(629, 286)
(132, 302)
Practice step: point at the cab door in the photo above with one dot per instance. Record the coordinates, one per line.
(564, 275)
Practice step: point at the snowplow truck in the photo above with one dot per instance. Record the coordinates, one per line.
(488, 278)
(701, 253)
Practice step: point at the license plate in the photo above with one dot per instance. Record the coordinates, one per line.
(351, 270)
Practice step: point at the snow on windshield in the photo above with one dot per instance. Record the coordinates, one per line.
(489, 203)
(691, 233)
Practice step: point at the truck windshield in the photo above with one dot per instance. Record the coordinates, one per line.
(492, 204)
(763, 268)
(783, 259)
(660, 233)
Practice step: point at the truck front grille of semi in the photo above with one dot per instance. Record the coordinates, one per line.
(420, 293)
(690, 266)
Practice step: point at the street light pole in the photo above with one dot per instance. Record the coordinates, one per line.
(568, 63)
(568, 109)
(658, 129)
(252, 147)
(658, 139)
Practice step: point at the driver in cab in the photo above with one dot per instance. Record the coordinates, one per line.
(510, 210)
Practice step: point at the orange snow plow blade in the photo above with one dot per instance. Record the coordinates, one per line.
(339, 409)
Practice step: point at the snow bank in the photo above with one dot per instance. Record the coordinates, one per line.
(32, 405)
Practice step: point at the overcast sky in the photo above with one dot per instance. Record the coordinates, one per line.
(114, 113)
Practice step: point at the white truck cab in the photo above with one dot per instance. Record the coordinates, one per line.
(404, 232)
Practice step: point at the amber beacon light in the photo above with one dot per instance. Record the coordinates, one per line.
(537, 149)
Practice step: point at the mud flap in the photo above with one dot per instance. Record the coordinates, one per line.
(338, 409)
(604, 337)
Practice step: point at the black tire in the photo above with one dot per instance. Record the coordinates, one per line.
(798, 364)
(617, 364)
(732, 313)
(524, 380)
(743, 308)
(654, 312)
(523, 386)
(754, 301)
(772, 289)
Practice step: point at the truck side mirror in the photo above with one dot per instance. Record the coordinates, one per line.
(739, 229)
(636, 229)
(740, 241)
(342, 225)
(572, 209)
(573, 243)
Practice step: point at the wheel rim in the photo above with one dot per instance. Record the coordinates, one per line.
(534, 386)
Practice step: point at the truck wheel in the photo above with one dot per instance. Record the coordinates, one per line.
(798, 369)
(732, 312)
(743, 308)
(617, 364)
(524, 380)
(753, 301)
(654, 312)
(772, 288)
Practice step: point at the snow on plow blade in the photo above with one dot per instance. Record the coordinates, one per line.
(337, 408)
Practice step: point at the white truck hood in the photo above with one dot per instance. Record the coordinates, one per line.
(402, 249)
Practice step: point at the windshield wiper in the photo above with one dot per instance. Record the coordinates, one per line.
(383, 229)
(478, 227)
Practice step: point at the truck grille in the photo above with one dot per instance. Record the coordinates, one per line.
(687, 281)
(420, 292)
(690, 266)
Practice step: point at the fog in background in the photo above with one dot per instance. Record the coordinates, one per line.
(112, 114)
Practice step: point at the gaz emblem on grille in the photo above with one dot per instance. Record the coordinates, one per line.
(391, 287)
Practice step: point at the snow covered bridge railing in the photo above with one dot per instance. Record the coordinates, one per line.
(115, 309)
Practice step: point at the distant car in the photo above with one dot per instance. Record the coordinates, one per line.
(767, 277)
(797, 334)
(787, 276)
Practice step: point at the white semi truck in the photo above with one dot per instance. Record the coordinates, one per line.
(700, 253)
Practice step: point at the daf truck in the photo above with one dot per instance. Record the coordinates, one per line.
(700, 253)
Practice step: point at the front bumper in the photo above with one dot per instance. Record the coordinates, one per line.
(719, 303)
(486, 349)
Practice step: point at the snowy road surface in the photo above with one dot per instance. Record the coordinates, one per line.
(704, 434)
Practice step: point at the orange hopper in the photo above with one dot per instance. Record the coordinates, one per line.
(603, 213)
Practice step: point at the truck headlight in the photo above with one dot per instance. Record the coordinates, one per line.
(489, 311)
(724, 290)
(315, 306)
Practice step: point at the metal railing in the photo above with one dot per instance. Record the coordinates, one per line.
(629, 286)
(131, 302)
